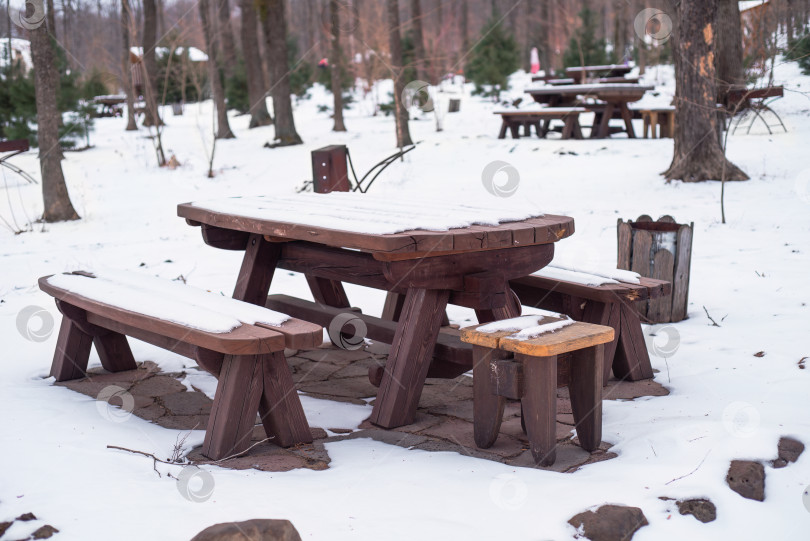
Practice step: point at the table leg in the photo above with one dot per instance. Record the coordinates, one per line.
(514, 127)
(393, 306)
(585, 388)
(328, 292)
(604, 125)
(539, 406)
(628, 120)
(409, 360)
(512, 308)
(646, 116)
(256, 273)
(568, 128)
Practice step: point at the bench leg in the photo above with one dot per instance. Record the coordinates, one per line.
(514, 127)
(114, 352)
(577, 128)
(632, 361)
(627, 116)
(600, 313)
(487, 406)
(230, 425)
(280, 408)
(568, 129)
(409, 360)
(504, 126)
(585, 388)
(72, 352)
(539, 405)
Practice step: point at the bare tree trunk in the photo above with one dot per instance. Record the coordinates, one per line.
(149, 40)
(395, 45)
(253, 67)
(464, 23)
(223, 127)
(418, 41)
(335, 65)
(126, 70)
(620, 28)
(728, 60)
(51, 19)
(698, 155)
(54, 190)
(226, 40)
(274, 24)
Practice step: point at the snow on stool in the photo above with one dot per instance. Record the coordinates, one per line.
(517, 359)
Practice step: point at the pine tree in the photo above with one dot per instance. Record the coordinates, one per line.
(494, 58)
(584, 49)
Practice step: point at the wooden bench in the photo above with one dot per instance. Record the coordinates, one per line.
(513, 120)
(611, 304)
(248, 360)
(506, 366)
(661, 116)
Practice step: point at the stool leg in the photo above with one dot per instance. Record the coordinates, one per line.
(540, 406)
(654, 125)
(646, 117)
(281, 411)
(585, 388)
(504, 126)
(487, 406)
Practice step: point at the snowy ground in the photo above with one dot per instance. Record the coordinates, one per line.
(750, 274)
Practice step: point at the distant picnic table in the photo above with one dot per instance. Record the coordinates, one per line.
(110, 105)
(614, 98)
(319, 236)
(582, 73)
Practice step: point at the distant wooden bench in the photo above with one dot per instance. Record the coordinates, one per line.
(661, 116)
(505, 366)
(248, 360)
(611, 304)
(513, 120)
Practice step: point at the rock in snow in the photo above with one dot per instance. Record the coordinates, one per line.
(789, 451)
(610, 523)
(257, 529)
(703, 510)
(747, 478)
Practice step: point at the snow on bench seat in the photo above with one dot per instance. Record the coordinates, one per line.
(528, 327)
(588, 277)
(167, 300)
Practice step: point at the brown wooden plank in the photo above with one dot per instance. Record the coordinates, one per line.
(642, 246)
(224, 239)
(539, 404)
(624, 232)
(409, 360)
(487, 406)
(449, 346)
(570, 338)
(72, 352)
(233, 414)
(257, 269)
(280, 409)
(585, 388)
(208, 360)
(393, 306)
(244, 340)
(606, 293)
(298, 334)
(680, 286)
(155, 338)
(660, 310)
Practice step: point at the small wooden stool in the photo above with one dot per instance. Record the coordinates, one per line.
(526, 370)
(662, 116)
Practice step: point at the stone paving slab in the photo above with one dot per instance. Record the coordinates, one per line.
(443, 421)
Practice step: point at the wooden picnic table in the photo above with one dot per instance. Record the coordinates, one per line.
(467, 266)
(581, 73)
(614, 98)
